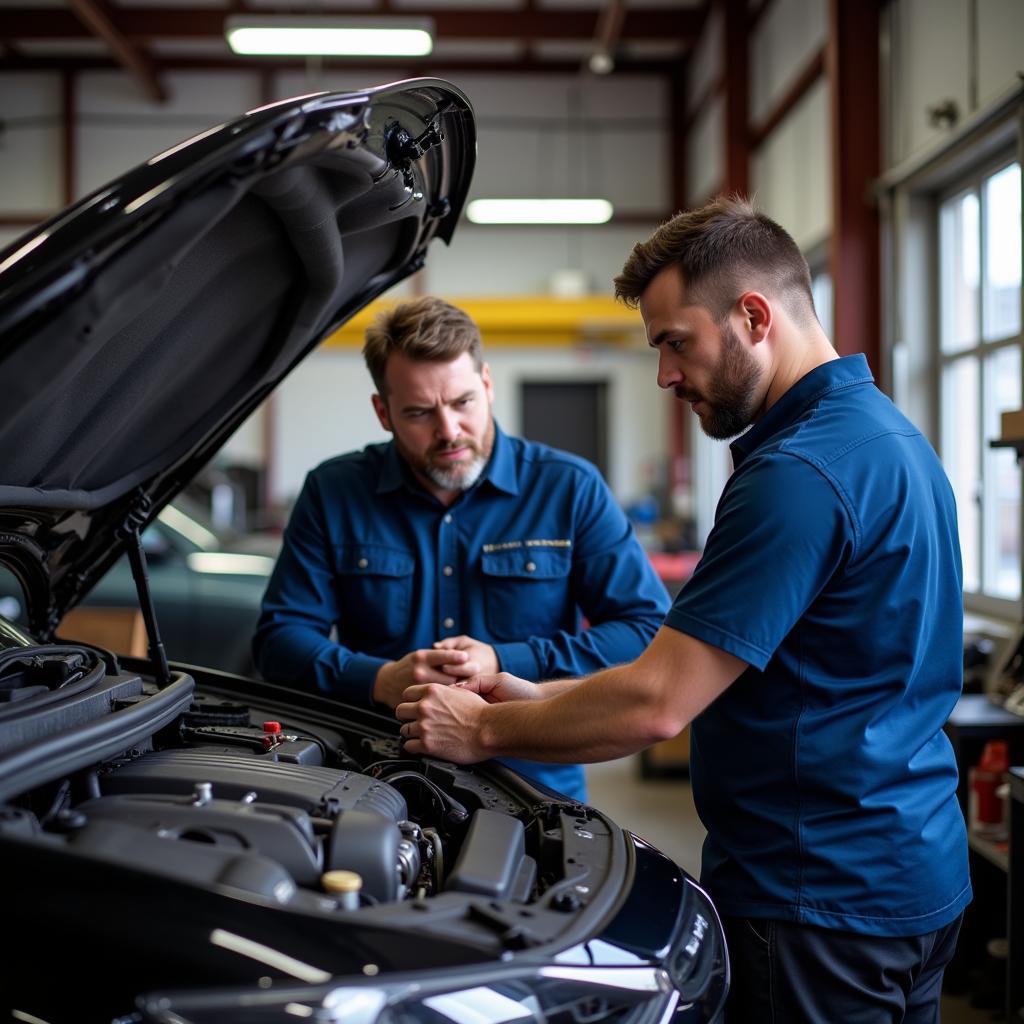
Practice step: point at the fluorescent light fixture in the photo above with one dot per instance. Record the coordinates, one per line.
(285, 35)
(539, 211)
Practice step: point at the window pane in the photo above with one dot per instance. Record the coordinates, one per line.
(961, 430)
(960, 272)
(1002, 478)
(821, 289)
(1002, 254)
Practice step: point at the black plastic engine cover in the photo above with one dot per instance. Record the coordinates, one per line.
(283, 834)
(322, 792)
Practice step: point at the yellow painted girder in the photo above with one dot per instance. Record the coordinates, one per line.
(524, 320)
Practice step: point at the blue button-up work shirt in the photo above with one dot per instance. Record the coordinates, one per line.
(823, 775)
(517, 561)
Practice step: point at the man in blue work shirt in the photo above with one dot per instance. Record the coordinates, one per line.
(819, 641)
(454, 549)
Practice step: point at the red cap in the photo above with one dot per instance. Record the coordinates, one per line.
(271, 728)
(996, 756)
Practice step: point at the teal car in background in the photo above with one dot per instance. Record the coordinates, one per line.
(206, 588)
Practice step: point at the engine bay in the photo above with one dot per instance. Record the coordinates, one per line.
(308, 807)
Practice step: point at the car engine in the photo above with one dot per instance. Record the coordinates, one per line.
(222, 806)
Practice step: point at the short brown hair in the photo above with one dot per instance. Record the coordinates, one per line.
(427, 329)
(722, 250)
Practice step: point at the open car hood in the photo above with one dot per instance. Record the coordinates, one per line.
(140, 327)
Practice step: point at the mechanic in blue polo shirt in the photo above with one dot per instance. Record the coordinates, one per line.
(454, 549)
(819, 642)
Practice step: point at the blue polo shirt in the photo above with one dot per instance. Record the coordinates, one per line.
(824, 778)
(536, 545)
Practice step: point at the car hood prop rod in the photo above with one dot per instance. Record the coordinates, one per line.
(157, 654)
(132, 532)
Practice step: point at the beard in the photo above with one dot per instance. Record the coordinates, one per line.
(731, 398)
(465, 473)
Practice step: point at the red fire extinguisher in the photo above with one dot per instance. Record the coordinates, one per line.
(986, 809)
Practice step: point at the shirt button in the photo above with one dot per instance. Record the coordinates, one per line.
(448, 517)
(447, 570)
(531, 566)
(362, 563)
(448, 623)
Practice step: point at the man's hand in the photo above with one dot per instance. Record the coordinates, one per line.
(443, 721)
(496, 689)
(423, 666)
(480, 653)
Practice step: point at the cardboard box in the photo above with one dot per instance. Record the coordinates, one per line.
(1011, 425)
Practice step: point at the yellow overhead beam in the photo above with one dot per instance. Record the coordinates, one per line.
(524, 320)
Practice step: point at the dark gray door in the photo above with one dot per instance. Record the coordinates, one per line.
(572, 415)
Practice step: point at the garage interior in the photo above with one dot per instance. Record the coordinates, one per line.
(885, 135)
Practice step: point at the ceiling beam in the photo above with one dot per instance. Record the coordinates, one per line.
(95, 17)
(147, 24)
(425, 66)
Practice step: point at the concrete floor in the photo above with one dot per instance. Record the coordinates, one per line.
(662, 812)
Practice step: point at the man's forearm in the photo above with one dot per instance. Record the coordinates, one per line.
(607, 715)
(553, 687)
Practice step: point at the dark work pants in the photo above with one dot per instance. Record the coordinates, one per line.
(784, 973)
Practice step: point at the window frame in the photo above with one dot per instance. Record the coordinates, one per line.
(907, 194)
(973, 181)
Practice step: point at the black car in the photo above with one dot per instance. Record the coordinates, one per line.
(181, 844)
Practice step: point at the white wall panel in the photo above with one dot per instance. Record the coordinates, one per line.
(510, 261)
(245, 446)
(30, 146)
(930, 65)
(118, 127)
(1000, 45)
(791, 173)
(705, 153)
(786, 38)
(324, 408)
(8, 235)
(706, 62)
(207, 96)
(286, 84)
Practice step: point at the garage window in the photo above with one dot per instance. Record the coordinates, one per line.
(979, 312)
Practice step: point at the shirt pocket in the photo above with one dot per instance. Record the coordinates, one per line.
(527, 592)
(374, 593)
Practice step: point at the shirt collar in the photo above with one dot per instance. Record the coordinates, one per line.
(392, 470)
(501, 471)
(830, 376)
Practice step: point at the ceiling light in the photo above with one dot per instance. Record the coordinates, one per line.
(539, 211)
(329, 37)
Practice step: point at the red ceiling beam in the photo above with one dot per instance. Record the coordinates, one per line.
(145, 25)
(95, 17)
(453, 23)
(852, 61)
(425, 66)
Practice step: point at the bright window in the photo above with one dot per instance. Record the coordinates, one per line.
(980, 333)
